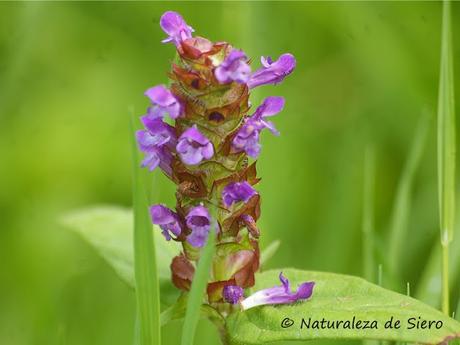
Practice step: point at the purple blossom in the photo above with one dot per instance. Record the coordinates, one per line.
(232, 293)
(166, 219)
(193, 147)
(247, 138)
(164, 102)
(272, 72)
(157, 133)
(233, 68)
(279, 294)
(177, 29)
(237, 191)
(156, 142)
(199, 221)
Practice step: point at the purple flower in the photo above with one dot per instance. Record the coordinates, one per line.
(177, 29)
(233, 68)
(279, 294)
(164, 102)
(193, 147)
(166, 219)
(232, 294)
(156, 142)
(157, 133)
(237, 191)
(272, 72)
(247, 138)
(199, 221)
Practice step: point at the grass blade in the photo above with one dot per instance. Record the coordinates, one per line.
(200, 280)
(446, 150)
(402, 204)
(145, 268)
(368, 216)
(269, 251)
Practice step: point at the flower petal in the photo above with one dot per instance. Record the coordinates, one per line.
(175, 26)
(279, 294)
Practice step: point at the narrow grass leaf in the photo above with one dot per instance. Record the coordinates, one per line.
(200, 280)
(269, 251)
(446, 150)
(368, 216)
(402, 203)
(145, 268)
(429, 286)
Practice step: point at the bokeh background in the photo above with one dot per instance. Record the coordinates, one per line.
(70, 72)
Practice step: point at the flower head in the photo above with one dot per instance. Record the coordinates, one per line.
(166, 219)
(175, 26)
(233, 68)
(232, 294)
(237, 191)
(279, 294)
(272, 72)
(199, 221)
(164, 102)
(247, 138)
(193, 147)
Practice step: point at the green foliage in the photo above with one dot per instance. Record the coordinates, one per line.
(198, 289)
(403, 199)
(337, 297)
(145, 261)
(109, 229)
(446, 150)
(267, 253)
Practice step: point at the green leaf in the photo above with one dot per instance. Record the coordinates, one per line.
(446, 150)
(200, 280)
(402, 202)
(268, 252)
(109, 229)
(145, 266)
(337, 297)
(368, 228)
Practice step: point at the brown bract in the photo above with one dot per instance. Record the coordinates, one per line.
(182, 272)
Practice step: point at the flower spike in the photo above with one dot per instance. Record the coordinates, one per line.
(198, 132)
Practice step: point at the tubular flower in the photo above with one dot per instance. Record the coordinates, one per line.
(272, 72)
(193, 147)
(247, 138)
(167, 220)
(279, 294)
(164, 102)
(233, 68)
(237, 191)
(205, 152)
(177, 29)
(199, 221)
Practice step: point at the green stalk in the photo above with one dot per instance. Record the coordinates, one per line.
(446, 151)
(368, 216)
(198, 289)
(402, 203)
(145, 267)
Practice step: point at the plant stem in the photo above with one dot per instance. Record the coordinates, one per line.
(446, 150)
(445, 278)
(368, 215)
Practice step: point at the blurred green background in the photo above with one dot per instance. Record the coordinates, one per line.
(70, 72)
